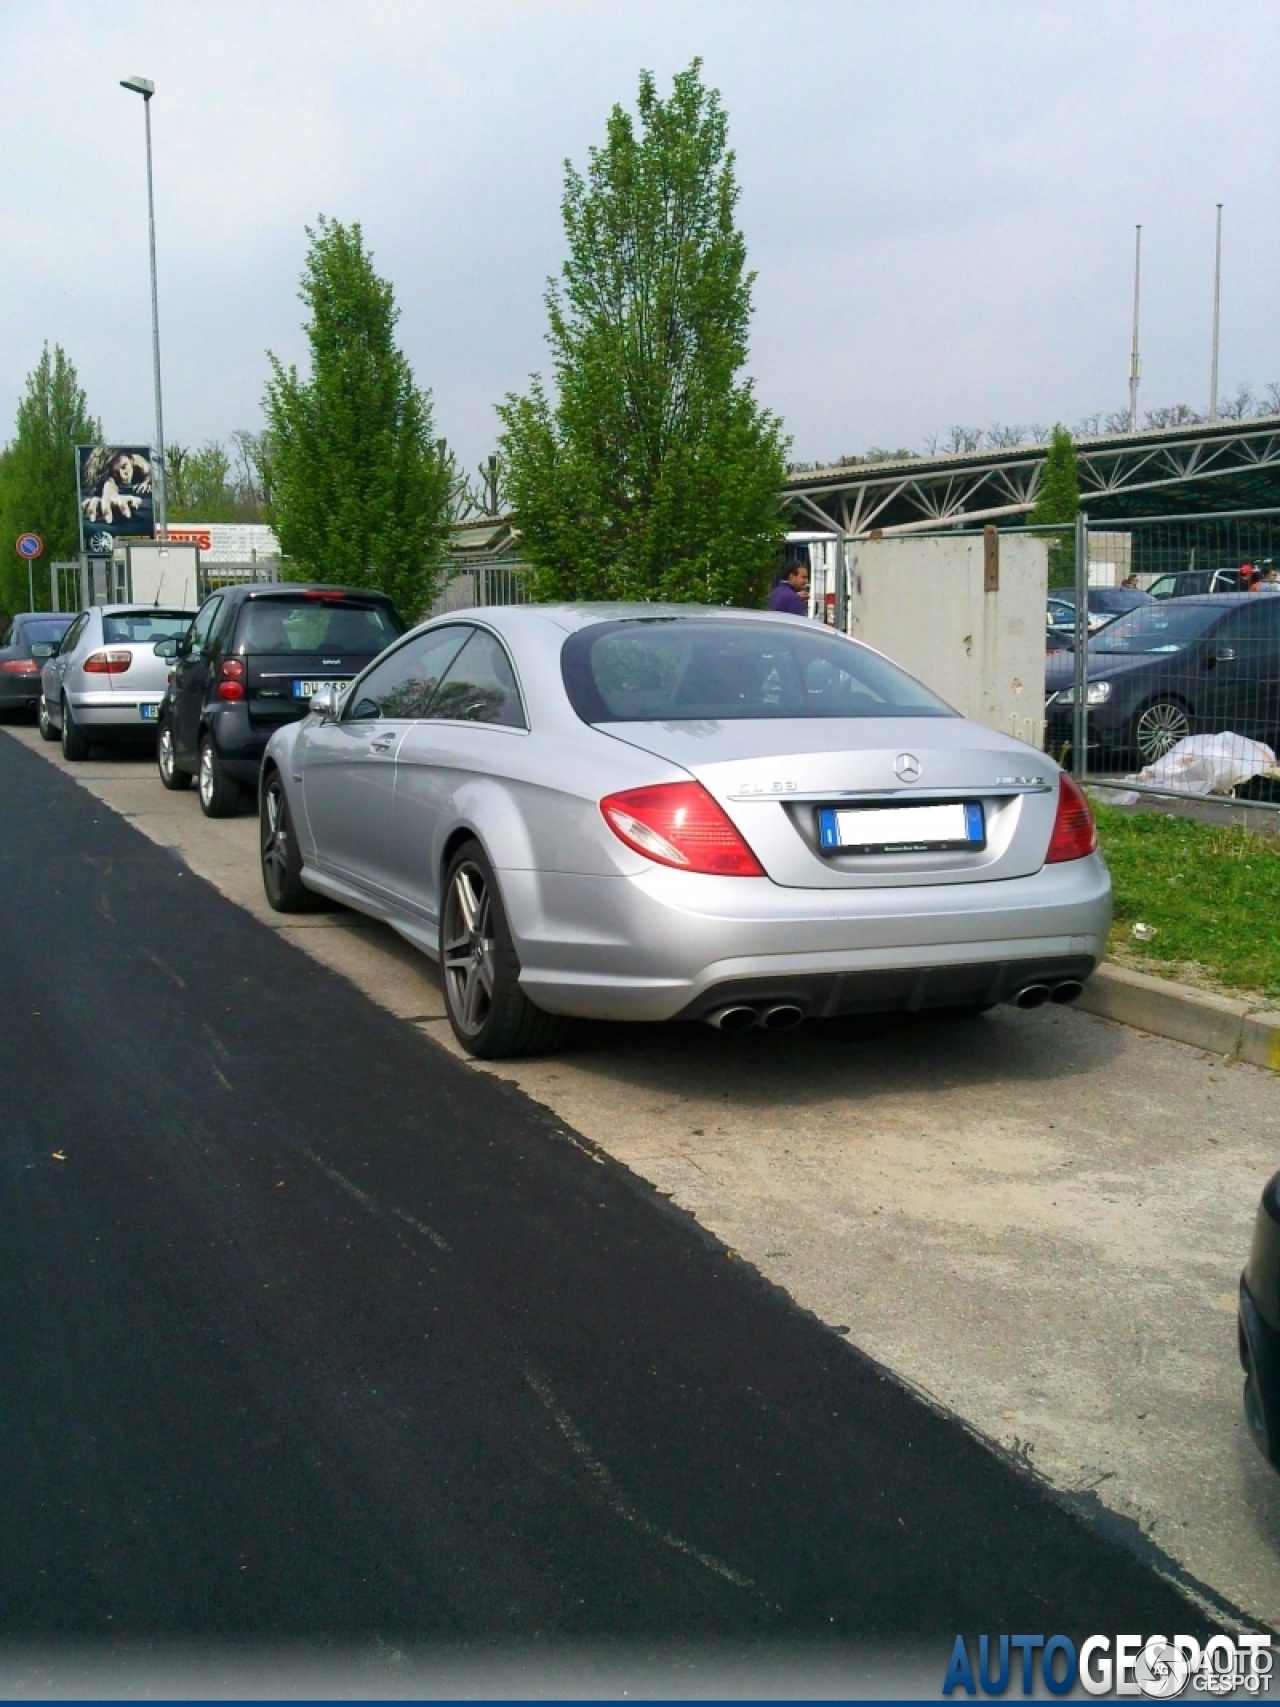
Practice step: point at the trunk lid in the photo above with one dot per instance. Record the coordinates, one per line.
(774, 776)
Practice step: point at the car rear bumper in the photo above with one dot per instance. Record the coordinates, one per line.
(119, 710)
(667, 943)
(19, 693)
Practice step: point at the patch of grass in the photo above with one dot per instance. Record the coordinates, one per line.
(1212, 894)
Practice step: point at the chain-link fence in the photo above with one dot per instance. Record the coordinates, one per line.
(1181, 691)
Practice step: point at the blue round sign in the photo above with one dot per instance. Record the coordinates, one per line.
(30, 545)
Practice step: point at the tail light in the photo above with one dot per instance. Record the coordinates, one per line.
(107, 663)
(231, 682)
(19, 667)
(679, 824)
(1074, 833)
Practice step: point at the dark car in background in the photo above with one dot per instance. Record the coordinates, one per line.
(251, 661)
(1173, 668)
(1258, 1326)
(30, 638)
(1104, 605)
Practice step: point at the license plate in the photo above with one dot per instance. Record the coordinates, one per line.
(149, 713)
(902, 829)
(304, 690)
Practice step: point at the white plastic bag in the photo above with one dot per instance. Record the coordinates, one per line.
(1208, 764)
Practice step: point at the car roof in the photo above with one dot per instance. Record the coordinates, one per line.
(145, 610)
(574, 616)
(301, 589)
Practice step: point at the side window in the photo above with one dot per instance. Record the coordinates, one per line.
(404, 684)
(1254, 632)
(481, 686)
(71, 638)
(202, 627)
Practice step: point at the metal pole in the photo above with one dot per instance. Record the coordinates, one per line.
(1217, 288)
(31, 585)
(160, 470)
(1079, 708)
(1135, 366)
(842, 600)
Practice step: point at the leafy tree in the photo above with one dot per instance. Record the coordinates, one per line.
(200, 484)
(38, 474)
(359, 489)
(1058, 500)
(654, 474)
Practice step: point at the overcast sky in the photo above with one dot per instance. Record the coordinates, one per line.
(939, 197)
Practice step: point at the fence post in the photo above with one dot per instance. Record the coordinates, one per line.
(1079, 708)
(841, 589)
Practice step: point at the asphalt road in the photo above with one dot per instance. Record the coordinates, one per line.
(308, 1328)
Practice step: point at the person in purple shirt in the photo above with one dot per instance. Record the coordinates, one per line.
(792, 591)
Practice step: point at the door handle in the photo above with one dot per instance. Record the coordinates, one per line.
(383, 744)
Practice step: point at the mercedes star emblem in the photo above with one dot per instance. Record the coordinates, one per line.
(907, 766)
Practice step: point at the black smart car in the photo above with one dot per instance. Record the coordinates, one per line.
(1173, 668)
(1258, 1326)
(30, 638)
(251, 661)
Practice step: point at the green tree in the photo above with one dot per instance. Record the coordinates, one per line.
(200, 485)
(654, 474)
(38, 472)
(1058, 500)
(359, 491)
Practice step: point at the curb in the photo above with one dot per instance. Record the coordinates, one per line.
(1214, 1023)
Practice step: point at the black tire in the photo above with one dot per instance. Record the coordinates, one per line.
(167, 760)
(1157, 727)
(47, 730)
(490, 1014)
(220, 795)
(75, 744)
(278, 847)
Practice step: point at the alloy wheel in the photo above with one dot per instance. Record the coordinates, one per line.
(166, 753)
(1159, 728)
(206, 776)
(469, 949)
(275, 842)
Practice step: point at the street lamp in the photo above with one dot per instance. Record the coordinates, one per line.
(144, 87)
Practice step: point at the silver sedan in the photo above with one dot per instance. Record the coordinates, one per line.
(643, 812)
(105, 679)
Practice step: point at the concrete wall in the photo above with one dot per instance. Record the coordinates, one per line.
(922, 602)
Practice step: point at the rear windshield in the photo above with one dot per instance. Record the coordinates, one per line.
(45, 631)
(672, 669)
(142, 627)
(315, 625)
(1164, 627)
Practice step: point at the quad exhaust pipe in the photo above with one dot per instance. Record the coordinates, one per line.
(742, 1016)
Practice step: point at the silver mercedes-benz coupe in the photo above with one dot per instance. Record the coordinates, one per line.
(647, 812)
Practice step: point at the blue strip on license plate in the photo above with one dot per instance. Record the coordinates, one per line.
(902, 829)
(149, 713)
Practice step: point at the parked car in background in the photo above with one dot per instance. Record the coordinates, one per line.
(1175, 667)
(639, 812)
(252, 660)
(1104, 605)
(1188, 583)
(1258, 1326)
(106, 679)
(30, 638)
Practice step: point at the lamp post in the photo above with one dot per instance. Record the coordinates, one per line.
(144, 87)
(1217, 295)
(1135, 366)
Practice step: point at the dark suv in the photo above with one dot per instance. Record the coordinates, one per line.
(251, 661)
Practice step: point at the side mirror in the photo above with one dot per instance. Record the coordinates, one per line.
(167, 648)
(324, 704)
(1225, 655)
(42, 649)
